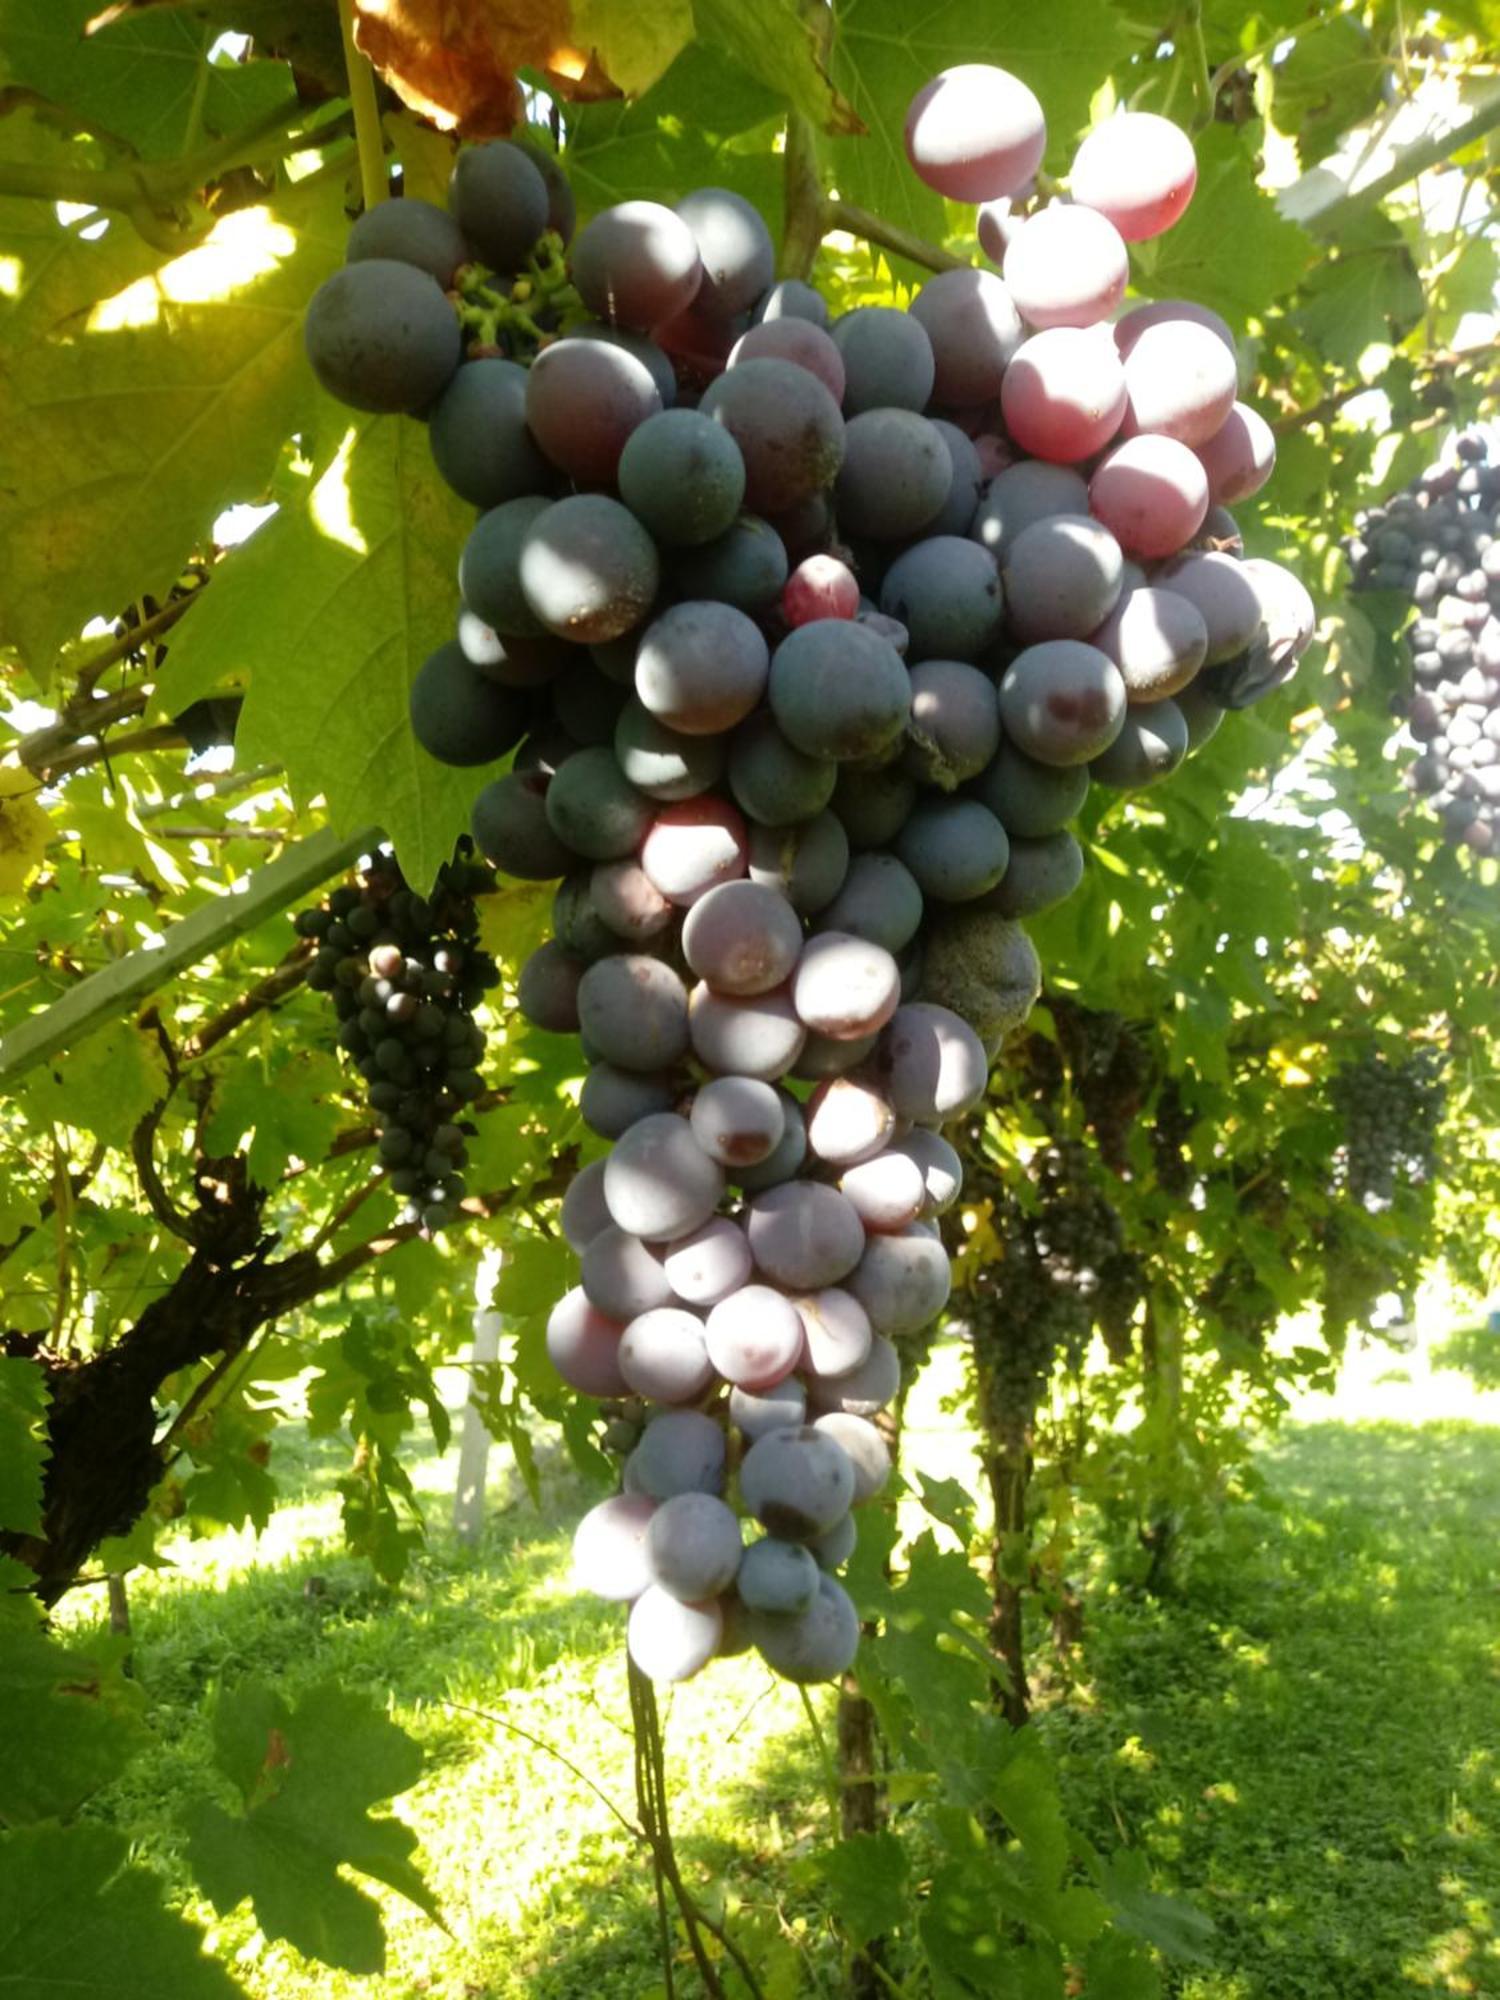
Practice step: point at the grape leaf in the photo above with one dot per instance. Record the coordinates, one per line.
(1369, 294)
(72, 1723)
(140, 396)
(1325, 83)
(1232, 249)
(776, 43)
(137, 78)
(865, 1878)
(1119, 1966)
(633, 44)
(23, 1445)
(689, 130)
(304, 32)
(329, 611)
(307, 1779)
(74, 1918)
(884, 51)
(287, 1102)
(1172, 1926)
(105, 1085)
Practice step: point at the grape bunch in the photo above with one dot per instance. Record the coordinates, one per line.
(1438, 543)
(405, 973)
(805, 638)
(1390, 1110)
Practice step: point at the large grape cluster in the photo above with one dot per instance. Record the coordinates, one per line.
(1438, 542)
(1391, 1110)
(405, 973)
(809, 637)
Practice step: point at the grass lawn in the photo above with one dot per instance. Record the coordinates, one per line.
(1306, 1740)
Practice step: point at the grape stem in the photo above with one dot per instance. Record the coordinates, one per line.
(856, 221)
(1197, 51)
(373, 180)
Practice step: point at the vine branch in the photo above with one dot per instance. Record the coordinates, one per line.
(856, 221)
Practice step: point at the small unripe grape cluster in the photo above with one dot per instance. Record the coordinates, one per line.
(405, 974)
(1438, 543)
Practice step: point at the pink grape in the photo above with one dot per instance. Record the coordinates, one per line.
(1064, 394)
(710, 1264)
(847, 1120)
(609, 1547)
(798, 341)
(1225, 598)
(837, 1331)
(663, 1355)
(670, 1641)
(583, 1345)
(1240, 456)
(1157, 639)
(737, 1120)
(693, 847)
(844, 986)
(1066, 266)
(743, 937)
(820, 586)
(1167, 312)
(886, 1192)
(1152, 494)
(755, 1337)
(1139, 170)
(975, 133)
(1180, 379)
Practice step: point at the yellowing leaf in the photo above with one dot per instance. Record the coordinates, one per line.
(633, 44)
(24, 830)
(105, 1086)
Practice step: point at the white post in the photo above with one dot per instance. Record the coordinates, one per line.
(474, 1445)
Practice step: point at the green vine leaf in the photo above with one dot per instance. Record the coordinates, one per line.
(778, 45)
(307, 1779)
(328, 611)
(74, 1918)
(1232, 249)
(139, 77)
(72, 1723)
(139, 397)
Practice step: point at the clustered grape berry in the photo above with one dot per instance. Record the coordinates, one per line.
(809, 637)
(405, 973)
(1438, 543)
(1390, 1109)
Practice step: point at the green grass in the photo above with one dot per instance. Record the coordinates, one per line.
(1306, 1740)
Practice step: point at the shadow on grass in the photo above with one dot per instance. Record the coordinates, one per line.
(544, 1893)
(1305, 1741)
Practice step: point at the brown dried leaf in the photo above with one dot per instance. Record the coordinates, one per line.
(455, 61)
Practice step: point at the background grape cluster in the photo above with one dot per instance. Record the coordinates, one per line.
(405, 974)
(1390, 1110)
(809, 637)
(1438, 543)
